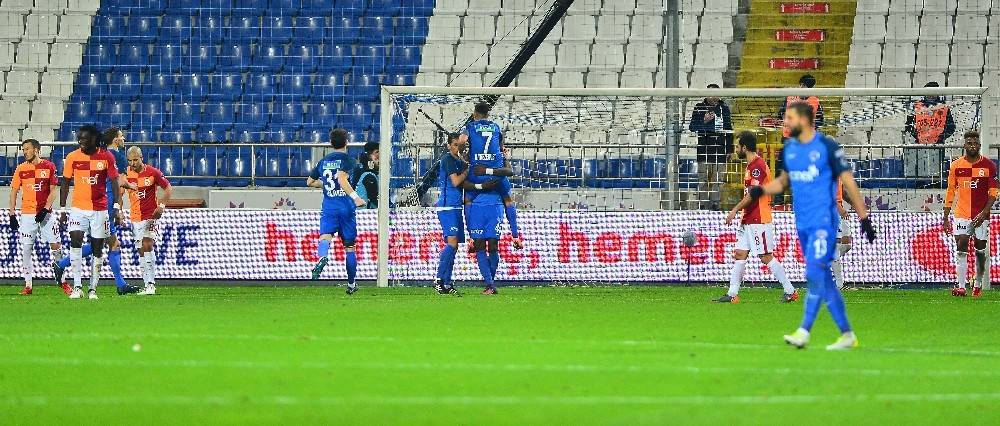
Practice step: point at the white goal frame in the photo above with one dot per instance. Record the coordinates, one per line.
(989, 115)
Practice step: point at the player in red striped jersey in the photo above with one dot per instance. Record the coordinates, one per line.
(145, 209)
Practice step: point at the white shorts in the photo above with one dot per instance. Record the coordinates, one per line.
(144, 229)
(46, 232)
(757, 238)
(845, 228)
(94, 223)
(961, 227)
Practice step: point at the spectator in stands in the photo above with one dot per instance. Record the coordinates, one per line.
(365, 179)
(931, 121)
(713, 123)
(808, 82)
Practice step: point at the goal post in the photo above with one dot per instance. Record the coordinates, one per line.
(584, 154)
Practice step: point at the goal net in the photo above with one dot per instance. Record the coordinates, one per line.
(607, 182)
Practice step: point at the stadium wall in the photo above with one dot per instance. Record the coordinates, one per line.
(562, 247)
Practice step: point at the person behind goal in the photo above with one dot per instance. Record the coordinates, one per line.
(844, 239)
(35, 179)
(756, 232)
(972, 190)
(144, 210)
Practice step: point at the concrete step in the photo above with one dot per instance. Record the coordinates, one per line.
(801, 21)
(834, 35)
(784, 49)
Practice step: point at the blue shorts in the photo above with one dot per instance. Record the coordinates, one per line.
(484, 221)
(452, 224)
(341, 222)
(112, 226)
(819, 246)
(504, 188)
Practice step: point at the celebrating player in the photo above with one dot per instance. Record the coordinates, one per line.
(340, 202)
(756, 232)
(813, 162)
(145, 210)
(481, 120)
(112, 141)
(89, 168)
(844, 238)
(972, 189)
(36, 177)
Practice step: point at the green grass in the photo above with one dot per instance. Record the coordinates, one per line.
(614, 355)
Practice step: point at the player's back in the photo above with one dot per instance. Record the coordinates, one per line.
(974, 182)
(334, 197)
(813, 171)
(485, 143)
(90, 174)
(757, 174)
(449, 195)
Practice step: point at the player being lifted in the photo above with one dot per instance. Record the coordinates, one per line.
(485, 208)
(972, 190)
(112, 142)
(813, 163)
(756, 232)
(145, 209)
(89, 168)
(37, 178)
(332, 174)
(844, 239)
(451, 182)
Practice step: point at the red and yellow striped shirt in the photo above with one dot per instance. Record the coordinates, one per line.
(143, 200)
(970, 185)
(36, 181)
(757, 174)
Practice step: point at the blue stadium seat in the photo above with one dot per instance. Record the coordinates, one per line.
(133, 55)
(302, 58)
(136, 134)
(363, 87)
(323, 113)
(115, 113)
(337, 57)
(176, 29)
(399, 80)
(131, 7)
(276, 29)
(317, 7)
(416, 8)
(259, 88)
(108, 29)
(404, 59)
(344, 30)
(142, 28)
(219, 115)
(149, 113)
(227, 87)
(99, 57)
(210, 27)
(328, 87)
(193, 87)
(314, 134)
(351, 7)
(183, 6)
(80, 112)
(244, 29)
(235, 166)
(309, 29)
(235, 57)
(269, 58)
(200, 58)
(356, 117)
(376, 30)
(252, 115)
(170, 160)
(370, 59)
(294, 87)
(124, 85)
(92, 86)
(184, 116)
(205, 162)
(158, 84)
(211, 135)
(285, 7)
(282, 134)
(410, 31)
(387, 8)
(167, 58)
(288, 114)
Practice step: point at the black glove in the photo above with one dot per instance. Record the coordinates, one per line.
(14, 226)
(868, 229)
(755, 191)
(40, 216)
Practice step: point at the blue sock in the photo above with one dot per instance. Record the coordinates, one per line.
(494, 263)
(835, 304)
(484, 267)
(511, 211)
(352, 267)
(87, 250)
(446, 264)
(115, 260)
(813, 301)
(323, 248)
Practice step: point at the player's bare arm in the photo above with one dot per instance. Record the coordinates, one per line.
(345, 185)
(853, 195)
(168, 191)
(124, 183)
(774, 187)
(14, 189)
(738, 208)
(117, 191)
(949, 197)
(63, 196)
(481, 170)
(315, 183)
(458, 178)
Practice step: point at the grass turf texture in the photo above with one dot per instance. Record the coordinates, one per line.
(620, 355)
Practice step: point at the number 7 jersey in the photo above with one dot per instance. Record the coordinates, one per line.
(485, 144)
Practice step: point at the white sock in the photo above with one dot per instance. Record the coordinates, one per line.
(151, 262)
(737, 277)
(838, 272)
(779, 273)
(961, 268)
(982, 266)
(95, 271)
(27, 246)
(76, 261)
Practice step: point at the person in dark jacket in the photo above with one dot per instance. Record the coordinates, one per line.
(931, 121)
(712, 121)
(365, 179)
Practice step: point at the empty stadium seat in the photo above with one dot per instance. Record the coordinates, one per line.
(484, 7)
(142, 28)
(410, 30)
(579, 28)
(606, 79)
(376, 30)
(908, 7)
(641, 56)
(66, 56)
(124, 85)
(861, 79)
(573, 57)
(74, 28)
(533, 80)
(865, 57)
(14, 113)
(607, 57)
(716, 28)
(638, 79)
(226, 87)
(32, 55)
(133, 55)
(329, 86)
(933, 56)
(970, 28)
(56, 84)
(177, 29)
(898, 56)
(613, 28)
(895, 79)
(544, 59)
(902, 28)
(964, 79)
(41, 26)
(301, 58)
(873, 7)
(158, 83)
(870, 28)
(711, 56)
(21, 85)
(7, 55)
(567, 79)
(936, 28)
(345, 30)
(967, 56)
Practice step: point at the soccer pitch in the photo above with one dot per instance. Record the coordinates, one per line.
(611, 355)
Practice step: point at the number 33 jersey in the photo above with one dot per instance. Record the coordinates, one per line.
(334, 197)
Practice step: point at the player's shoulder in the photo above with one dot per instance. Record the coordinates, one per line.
(46, 164)
(150, 170)
(75, 153)
(829, 142)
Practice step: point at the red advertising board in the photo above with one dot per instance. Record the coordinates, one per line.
(799, 35)
(794, 63)
(805, 8)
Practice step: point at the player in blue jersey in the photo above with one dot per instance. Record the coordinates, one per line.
(450, 207)
(486, 154)
(112, 140)
(340, 201)
(813, 164)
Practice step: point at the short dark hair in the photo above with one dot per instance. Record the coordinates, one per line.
(803, 109)
(370, 147)
(32, 142)
(109, 135)
(807, 80)
(90, 130)
(712, 86)
(338, 138)
(453, 136)
(483, 108)
(748, 140)
(971, 133)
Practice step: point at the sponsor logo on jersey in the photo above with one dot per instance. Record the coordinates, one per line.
(807, 175)
(814, 156)
(485, 157)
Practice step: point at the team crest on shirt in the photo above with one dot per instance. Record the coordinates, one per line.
(43, 173)
(100, 165)
(755, 173)
(147, 181)
(814, 156)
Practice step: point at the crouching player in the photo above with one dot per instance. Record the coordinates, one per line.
(145, 209)
(972, 190)
(38, 178)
